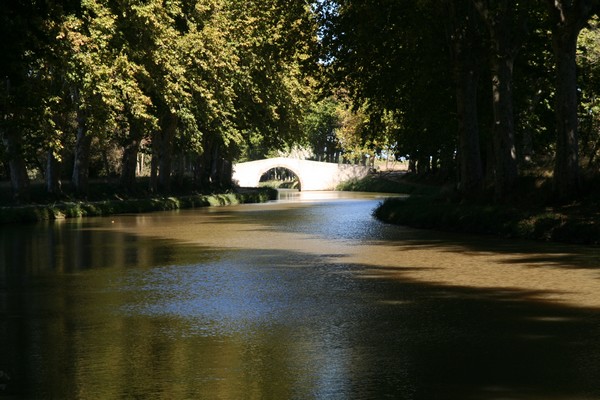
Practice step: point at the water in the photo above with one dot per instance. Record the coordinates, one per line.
(303, 299)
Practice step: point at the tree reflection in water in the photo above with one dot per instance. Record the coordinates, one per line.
(93, 310)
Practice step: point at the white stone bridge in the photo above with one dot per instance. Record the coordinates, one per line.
(313, 175)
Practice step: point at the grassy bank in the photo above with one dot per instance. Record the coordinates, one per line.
(569, 224)
(392, 183)
(74, 209)
(529, 215)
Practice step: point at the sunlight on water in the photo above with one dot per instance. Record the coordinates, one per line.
(305, 299)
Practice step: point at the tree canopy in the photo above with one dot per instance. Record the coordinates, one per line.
(194, 84)
(475, 91)
(471, 78)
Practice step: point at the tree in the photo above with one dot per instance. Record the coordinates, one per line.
(567, 18)
(21, 29)
(276, 42)
(320, 126)
(464, 38)
(588, 61)
(393, 60)
(506, 24)
(88, 60)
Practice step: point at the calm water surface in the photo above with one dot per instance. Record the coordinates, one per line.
(309, 299)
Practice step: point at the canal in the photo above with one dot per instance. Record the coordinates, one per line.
(304, 298)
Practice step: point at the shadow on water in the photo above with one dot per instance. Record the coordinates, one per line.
(351, 225)
(536, 254)
(105, 314)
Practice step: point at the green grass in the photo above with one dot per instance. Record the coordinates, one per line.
(530, 213)
(391, 183)
(561, 224)
(276, 184)
(75, 209)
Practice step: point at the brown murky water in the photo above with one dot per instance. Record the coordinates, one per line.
(309, 299)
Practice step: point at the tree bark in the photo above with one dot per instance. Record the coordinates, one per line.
(225, 173)
(129, 163)
(19, 179)
(83, 143)
(566, 167)
(500, 18)
(568, 18)
(154, 162)
(471, 171)
(81, 165)
(462, 42)
(214, 166)
(204, 164)
(52, 174)
(13, 147)
(165, 160)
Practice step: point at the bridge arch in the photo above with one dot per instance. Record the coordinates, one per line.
(268, 168)
(313, 175)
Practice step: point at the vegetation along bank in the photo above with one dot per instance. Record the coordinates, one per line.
(434, 205)
(473, 93)
(74, 209)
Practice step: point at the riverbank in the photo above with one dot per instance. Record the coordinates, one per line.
(575, 223)
(433, 206)
(74, 209)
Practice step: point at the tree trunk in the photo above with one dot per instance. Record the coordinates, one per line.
(568, 18)
(214, 166)
(566, 166)
(52, 174)
(206, 164)
(129, 163)
(471, 171)
(165, 161)
(225, 174)
(423, 164)
(83, 144)
(412, 166)
(499, 19)
(505, 157)
(154, 164)
(16, 162)
(13, 148)
(462, 40)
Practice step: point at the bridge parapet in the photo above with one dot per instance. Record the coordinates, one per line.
(313, 175)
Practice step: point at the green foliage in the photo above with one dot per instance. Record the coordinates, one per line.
(398, 61)
(197, 84)
(523, 218)
(382, 184)
(37, 213)
(337, 130)
(588, 56)
(275, 41)
(320, 127)
(393, 59)
(223, 77)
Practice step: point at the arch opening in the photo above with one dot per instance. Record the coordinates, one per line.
(280, 178)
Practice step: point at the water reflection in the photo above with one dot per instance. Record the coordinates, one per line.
(77, 245)
(302, 300)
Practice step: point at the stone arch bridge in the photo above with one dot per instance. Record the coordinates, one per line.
(313, 175)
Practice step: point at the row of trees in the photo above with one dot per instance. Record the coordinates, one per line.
(444, 69)
(473, 89)
(207, 80)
